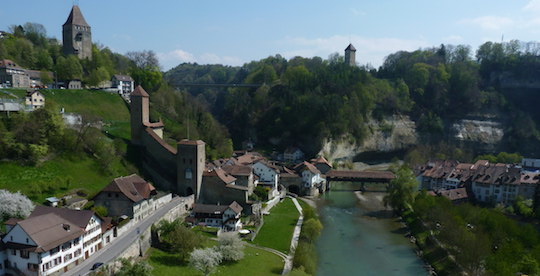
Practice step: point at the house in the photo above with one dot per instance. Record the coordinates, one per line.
(243, 174)
(128, 195)
(312, 179)
(123, 83)
(293, 154)
(221, 188)
(12, 75)
(455, 195)
(530, 163)
(434, 174)
(268, 174)
(74, 84)
(50, 241)
(321, 164)
(496, 183)
(35, 100)
(226, 217)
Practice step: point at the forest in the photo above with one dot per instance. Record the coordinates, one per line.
(302, 101)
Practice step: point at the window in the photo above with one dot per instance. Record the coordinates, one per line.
(109, 194)
(32, 267)
(25, 254)
(13, 252)
(188, 173)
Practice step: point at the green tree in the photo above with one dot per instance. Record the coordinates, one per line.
(45, 77)
(401, 190)
(69, 68)
(97, 76)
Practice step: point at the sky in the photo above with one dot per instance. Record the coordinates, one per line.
(235, 32)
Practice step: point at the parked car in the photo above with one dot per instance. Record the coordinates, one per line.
(96, 266)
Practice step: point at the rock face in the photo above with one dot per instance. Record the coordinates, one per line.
(486, 134)
(399, 132)
(393, 133)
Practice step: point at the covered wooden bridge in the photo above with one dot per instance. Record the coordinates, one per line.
(358, 176)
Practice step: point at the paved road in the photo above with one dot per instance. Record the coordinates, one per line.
(118, 245)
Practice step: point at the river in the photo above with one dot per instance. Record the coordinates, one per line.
(359, 238)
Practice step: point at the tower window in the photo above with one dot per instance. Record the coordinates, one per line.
(188, 174)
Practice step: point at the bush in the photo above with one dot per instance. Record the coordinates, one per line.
(100, 210)
(14, 205)
(231, 247)
(205, 260)
(311, 229)
(305, 257)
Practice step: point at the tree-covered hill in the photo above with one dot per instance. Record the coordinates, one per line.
(302, 101)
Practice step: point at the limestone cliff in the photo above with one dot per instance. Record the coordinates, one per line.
(390, 134)
(399, 132)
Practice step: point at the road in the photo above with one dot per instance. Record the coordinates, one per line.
(118, 245)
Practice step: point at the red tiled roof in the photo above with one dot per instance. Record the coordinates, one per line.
(239, 170)
(133, 187)
(221, 174)
(139, 91)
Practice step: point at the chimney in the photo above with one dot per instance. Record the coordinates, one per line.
(66, 227)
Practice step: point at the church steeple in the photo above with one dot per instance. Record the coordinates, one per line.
(77, 35)
(350, 55)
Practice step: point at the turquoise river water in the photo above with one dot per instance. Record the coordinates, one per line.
(359, 239)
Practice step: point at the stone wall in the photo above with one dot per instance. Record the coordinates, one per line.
(159, 160)
(144, 242)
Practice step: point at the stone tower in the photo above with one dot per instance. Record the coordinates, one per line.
(77, 35)
(350, 55)
(190, 162)
(139, 112)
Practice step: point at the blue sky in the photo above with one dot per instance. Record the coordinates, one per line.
(238, 31)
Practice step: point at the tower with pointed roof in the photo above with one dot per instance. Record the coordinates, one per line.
(350, 55)
(77, 35)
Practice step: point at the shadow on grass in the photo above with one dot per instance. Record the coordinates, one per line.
(276, 271)
(169, 260)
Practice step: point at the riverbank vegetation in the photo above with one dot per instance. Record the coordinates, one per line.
(481, 241)
(456, 238)
(305, 256)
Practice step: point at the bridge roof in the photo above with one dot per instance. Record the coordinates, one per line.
(382, 175)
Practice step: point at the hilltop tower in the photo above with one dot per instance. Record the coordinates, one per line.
(190, 162)
(77, 35)
(350, 55)
(139, 113)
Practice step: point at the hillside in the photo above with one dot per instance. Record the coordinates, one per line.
(68, 169)
(307, 102)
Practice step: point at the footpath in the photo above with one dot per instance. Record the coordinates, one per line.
(294, 241)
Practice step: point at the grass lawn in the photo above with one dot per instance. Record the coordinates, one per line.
(255, 262)
(278, 227)
(50, 177)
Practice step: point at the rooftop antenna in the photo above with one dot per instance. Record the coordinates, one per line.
(502, 38)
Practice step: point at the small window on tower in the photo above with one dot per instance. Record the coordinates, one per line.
(188, 173)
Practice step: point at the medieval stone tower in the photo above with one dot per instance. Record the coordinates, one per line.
(190, 163)
(350, 55)
(139, 114)
(77, 35)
